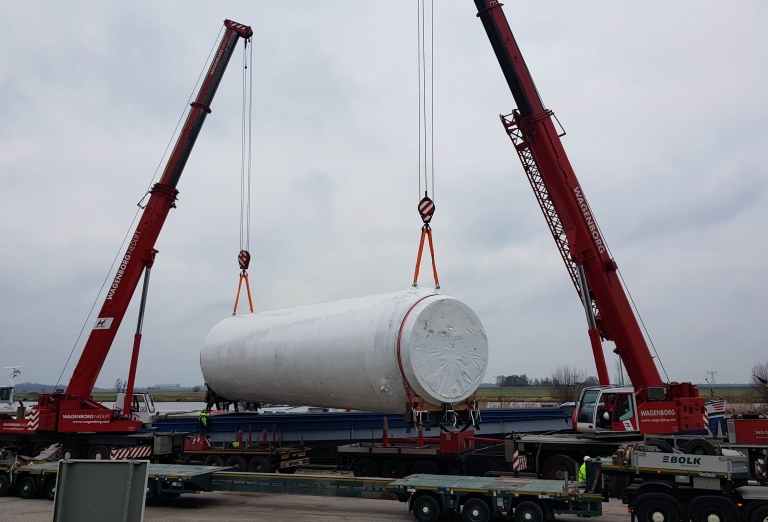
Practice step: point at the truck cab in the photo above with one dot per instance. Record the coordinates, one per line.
(606, 410)
(142, 407)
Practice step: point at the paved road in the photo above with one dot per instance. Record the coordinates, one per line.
(241, 507)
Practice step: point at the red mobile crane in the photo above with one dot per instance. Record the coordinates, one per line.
(651, 406)
(74, 410)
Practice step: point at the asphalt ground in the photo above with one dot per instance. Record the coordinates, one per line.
(241, 507)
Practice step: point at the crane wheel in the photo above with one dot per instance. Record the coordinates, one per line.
(556, 466)
(699, 447)
(98, 452)
(662, 445)
(424, 467)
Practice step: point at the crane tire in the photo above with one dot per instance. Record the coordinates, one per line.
(556, 466)
(699, 447)
(662, 445)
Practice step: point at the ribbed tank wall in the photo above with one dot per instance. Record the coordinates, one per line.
(344, 354)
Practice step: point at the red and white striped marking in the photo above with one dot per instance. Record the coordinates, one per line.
(426, 209)
(33, 420)
(519, 462)
(130, 453)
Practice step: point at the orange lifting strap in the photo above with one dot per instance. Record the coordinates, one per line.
(244, 258)
(426, 210)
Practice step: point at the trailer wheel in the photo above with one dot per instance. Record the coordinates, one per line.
(365, 467)
(50, 488)
(556, 466)
(475, 510)
(394, 468)
(759, 515)
(528, 512)
(152, 494)
(213, 460)
(713, 511)
(699, 447)
(425, 508)
(98, 452)
(655, 508)
(237, 462)
(27, 487)
(424, 467)
(258, 465)
(5, 485)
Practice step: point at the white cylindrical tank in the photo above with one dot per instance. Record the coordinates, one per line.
(350, 353)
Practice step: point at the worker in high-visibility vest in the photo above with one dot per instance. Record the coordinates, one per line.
(204, 419)
(583, 470)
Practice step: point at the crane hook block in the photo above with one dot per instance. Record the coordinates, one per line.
(244, 258)
(426, 209)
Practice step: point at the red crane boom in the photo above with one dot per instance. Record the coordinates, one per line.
(75, 410)
(573, 225)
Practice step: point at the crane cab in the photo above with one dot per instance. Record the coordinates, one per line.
(6, 401)
(142, 407)
(607, 410)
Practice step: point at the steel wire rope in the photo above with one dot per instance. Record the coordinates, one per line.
(139, 209)
(246, 148)
(418, 61)
(424, 89)
(432, 95)
(631, 300)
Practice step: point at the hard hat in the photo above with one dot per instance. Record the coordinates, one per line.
(586, 458)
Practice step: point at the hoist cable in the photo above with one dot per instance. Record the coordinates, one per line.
(432, 80)
(136, 214)
(250, 144)
(418, 61)
(424, 88)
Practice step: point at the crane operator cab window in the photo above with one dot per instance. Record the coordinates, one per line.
(5, 394)
(587, 406)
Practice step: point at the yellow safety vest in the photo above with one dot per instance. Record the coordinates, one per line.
(583, 472)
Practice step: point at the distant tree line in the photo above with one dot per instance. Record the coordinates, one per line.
(521, 381)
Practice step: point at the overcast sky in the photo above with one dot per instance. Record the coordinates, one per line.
(664, 103)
